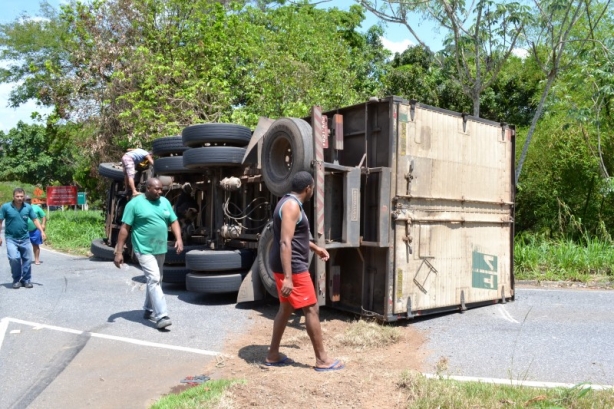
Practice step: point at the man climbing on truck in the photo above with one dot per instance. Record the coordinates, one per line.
(290, 264)
(130, 160)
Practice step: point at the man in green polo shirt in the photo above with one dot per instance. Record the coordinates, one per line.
(18, 246)
(148, 216)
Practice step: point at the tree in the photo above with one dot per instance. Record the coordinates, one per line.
(480, 36)
(133, 71)
(28, 155)
(414, 74)
(550, 43)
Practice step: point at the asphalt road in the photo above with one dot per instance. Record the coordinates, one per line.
(78, 337)
(545, 335)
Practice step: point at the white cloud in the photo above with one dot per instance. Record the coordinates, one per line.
(520, 52)
(35, 19)
(396, 46)
(10, 116)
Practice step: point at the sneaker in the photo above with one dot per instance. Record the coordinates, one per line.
(28, 284)
(17, 285)
(147, 314)
(163, 322)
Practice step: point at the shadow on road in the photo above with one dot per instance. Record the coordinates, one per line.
(134, 316)
(255, 354)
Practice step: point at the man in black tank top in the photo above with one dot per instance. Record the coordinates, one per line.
(290, 263)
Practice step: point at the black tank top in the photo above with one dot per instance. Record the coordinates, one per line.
(300, 241)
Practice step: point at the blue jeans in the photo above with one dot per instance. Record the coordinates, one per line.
(154, 297)
(19, 252)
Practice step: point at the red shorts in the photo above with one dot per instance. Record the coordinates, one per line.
(303, 294)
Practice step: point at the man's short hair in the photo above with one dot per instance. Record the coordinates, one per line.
(301, 180)
(18, 190)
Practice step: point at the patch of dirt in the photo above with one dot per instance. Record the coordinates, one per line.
(368, 380)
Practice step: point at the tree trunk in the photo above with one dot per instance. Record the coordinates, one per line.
(538, 114)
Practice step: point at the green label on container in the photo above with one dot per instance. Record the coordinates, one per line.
(484, 268)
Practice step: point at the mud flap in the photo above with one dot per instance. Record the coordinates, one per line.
(251, 287)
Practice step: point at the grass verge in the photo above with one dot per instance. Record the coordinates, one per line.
(72, 231)
(423, 393)
(536, 258)
(205, 396)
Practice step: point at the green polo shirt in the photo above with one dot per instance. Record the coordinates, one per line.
(149, 221)
(40, 213)
(16, 226)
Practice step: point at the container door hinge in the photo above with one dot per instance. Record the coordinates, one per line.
(409, 175)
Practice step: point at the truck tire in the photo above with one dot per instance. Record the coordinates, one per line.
(229, 134)
(214, 283)
(264, 267)
(213, 156)
(100, 250)
(173, 258)
(168, 145)
(113, 170)
(174, 274)
(219, 260)
(287, 149)
(171, 165)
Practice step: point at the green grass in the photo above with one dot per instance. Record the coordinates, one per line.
(423, 393)
(204, 396)
(6, 190)
(72, 231)
(536, 258)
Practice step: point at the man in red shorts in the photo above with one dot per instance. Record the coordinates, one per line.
(290, 263)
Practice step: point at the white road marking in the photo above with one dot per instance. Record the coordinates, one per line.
(63, 254)
(506, 315)
(4, 324)
(531, 384)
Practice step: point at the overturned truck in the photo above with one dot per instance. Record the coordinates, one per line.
(415, 205)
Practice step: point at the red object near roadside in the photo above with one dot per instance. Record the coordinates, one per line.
(61, 195)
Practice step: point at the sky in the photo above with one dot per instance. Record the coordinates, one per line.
(396, 39)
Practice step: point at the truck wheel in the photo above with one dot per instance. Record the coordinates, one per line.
(214, 283)
(174, 274)
(264, 264)
(100, 250)
(264, 267)
(173, 258)
(287, 149)
(113, 170)
(171, 165)
(230, 134)
(168, 145)
(213, 156)
(219, 260)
